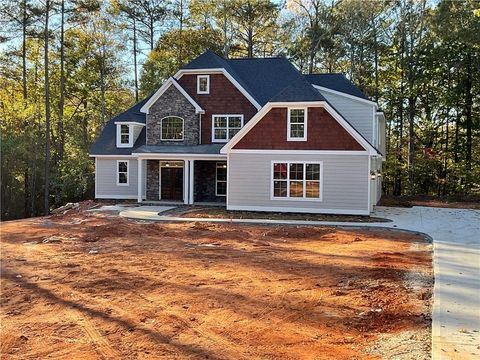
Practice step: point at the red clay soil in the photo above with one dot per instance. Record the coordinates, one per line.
(91, 286)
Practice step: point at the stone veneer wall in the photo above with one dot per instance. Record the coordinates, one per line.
(153, 180)
(204, 183)
(172, 103)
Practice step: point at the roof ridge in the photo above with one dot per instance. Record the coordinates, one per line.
(327, 73)
(258, 58)
(299, 81)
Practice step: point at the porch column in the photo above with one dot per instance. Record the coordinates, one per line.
(139, 190)
(186, 177)
(191, 182)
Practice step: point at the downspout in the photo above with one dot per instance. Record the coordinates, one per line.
(200, 131)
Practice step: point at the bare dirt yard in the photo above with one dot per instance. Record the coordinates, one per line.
(94, 286)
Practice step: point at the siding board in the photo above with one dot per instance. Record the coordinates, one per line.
(345, 182)
(359, 114)
(106, 179)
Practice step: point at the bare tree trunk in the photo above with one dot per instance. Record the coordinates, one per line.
(47, 114)
(180, 52)
(102, 85)
(225, 31)
(411, 142)
(250, 43)
(398, 172)
(24, 52)
(61, 102)
(376, 67)
(445, 158)
(135, 57)
(152, 44)
(33, 185)
(468, 121)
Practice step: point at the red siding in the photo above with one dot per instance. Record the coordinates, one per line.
(224, 98)
(323, 133)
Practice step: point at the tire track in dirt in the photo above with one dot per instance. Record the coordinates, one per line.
(101, 344)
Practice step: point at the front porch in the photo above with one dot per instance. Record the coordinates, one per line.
(169, 180)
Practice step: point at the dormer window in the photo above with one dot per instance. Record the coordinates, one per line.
(203, 84)
(297, 124)
(124, 135)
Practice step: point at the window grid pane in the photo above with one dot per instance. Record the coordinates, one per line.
(124, 134)
(122, 172)
(226, 127)
(297, 123)
(296, 189)
(203, 84)
(172, 128)
(221, 188)
(280, 171)
(302, 180)
(312, 189)
(296, 171)
(313, 171)
(221, 179)
(280, 188)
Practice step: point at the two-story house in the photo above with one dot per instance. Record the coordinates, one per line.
(254, 134)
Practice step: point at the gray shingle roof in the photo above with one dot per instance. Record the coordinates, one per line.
(106, 143)
(337, 82)
(262, 78)
(180, 149)
(299, 90)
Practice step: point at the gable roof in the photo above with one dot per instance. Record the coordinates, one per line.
(337, 82)
(299, 90)
(106, 143)
(166, 85)
(369, 148)
(261, 78)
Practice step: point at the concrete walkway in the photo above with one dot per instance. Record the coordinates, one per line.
(456, 242)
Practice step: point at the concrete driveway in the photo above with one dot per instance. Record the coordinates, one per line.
(456, 308)
(456, 243)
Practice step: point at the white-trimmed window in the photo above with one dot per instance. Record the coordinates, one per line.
(172, 128)
(224, 127)
(297, 124)
(297, 180)
(124, 135)
(203, 84)
(122, 172)
(221, 179)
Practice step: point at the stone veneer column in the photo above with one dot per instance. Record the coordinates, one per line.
(153, 180)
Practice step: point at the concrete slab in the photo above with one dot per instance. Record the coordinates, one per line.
(145, 212)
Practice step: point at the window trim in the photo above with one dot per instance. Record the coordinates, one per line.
(227, 116)
(119, 136)
(128, 173)
(305, 111)
(198, 84)
(161, 128)
(288, 198)
(222, 181)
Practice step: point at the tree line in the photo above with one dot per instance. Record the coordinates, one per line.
(68, 66)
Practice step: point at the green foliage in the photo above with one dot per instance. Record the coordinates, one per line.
(165, 60)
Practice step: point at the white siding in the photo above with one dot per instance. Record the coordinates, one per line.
(345, 184)
(358, 114)
(106, 179)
